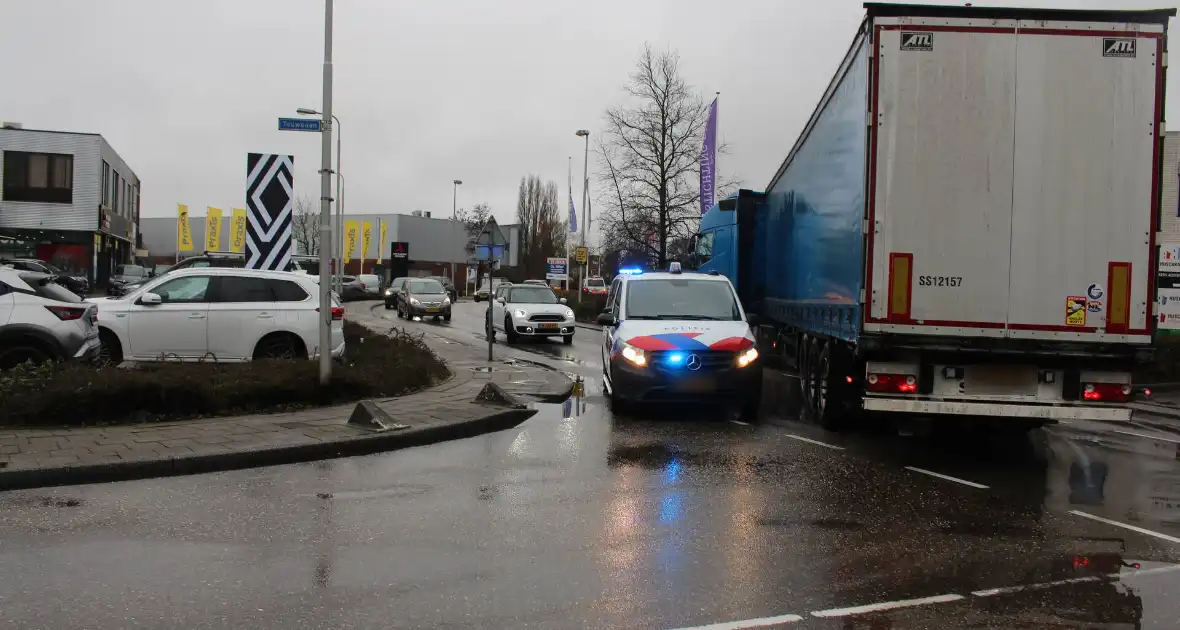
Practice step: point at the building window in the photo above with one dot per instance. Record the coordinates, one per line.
(115, 191)
(44, 177)
(106, 184)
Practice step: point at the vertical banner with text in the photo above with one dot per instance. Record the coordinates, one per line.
(381, 243)
(366, 242)
(350, 235)
(709, 160)
(238, 237)
(184, 232)
(212, 229)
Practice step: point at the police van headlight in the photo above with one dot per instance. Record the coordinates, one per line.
(746, 357)
(635, 355)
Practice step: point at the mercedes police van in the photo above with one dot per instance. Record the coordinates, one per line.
(678, 337)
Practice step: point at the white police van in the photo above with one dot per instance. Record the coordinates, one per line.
(678, 337)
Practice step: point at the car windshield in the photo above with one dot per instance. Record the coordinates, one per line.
(681, 298)
(531, 295)
(425, 286)
(49, 289)
(130, 270)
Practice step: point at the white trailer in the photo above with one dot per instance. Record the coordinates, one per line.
(1013, 194)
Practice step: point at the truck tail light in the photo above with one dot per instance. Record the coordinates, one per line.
(892, 383)
(66, 313)
(1106, 392)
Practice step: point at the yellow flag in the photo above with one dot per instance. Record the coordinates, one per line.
(366, 242)
(213, 229)
(184, 232)
(350, 234)
(238, 238)
(381, 243)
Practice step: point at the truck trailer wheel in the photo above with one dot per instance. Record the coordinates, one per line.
(803, 363)
(828, 408)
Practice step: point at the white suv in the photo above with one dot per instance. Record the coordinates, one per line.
(217, 313)
(41, 321)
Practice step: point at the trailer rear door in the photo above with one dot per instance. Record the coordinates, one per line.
(1012, 178)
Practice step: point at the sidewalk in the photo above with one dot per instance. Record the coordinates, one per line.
(47, 456)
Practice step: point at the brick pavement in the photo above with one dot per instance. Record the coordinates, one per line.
(48, 456)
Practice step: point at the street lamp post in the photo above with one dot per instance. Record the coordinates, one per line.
(337, 242)
(454, 212)
(326, 207)
(585, 195)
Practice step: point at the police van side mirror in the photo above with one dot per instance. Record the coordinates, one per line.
(606, 318)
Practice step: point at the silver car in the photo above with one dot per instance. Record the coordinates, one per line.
(40, 320)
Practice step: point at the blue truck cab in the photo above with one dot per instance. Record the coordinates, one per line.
(716, 244)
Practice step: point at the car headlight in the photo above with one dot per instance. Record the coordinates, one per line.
(389, 292)
(520, 312)
(569, 313)
(446, 301)
(415, 301)
(634, 355)
(747, 357)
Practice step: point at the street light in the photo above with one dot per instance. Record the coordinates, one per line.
(325, 341)
(338, 245)
(454, 205)
(583, 133)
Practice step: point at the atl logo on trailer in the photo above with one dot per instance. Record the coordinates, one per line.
(917, 41)
(1118, 47)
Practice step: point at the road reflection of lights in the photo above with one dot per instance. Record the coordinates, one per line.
(672, 471)
(671, 507)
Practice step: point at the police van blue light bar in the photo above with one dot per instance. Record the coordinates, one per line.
(631, 271)
(674, 267)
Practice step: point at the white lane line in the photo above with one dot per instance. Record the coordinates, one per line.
(1146, 532)
(1138, 572)
(1033, 587)
(744, 424)
(947, 477)
(811, 441)
(903, 603)
(1148, 436)
(748, 623)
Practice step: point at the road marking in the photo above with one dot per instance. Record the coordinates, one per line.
(1138, 572)
(901, 603)
(744, 424)
(748, 623)
(1033, 587)
(803, 439)
(1146, 532)
(1148, 436)
(947, 477)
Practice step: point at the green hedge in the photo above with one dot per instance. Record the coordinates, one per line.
(70, 394)
(588, 309)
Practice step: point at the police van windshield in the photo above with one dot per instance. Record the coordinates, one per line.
(681, 298)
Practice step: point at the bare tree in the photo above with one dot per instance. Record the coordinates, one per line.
(543, 231)
(650, 160)
(305, 226)
(473, 221)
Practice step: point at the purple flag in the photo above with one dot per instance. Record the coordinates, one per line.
(573, 215)
(709, 160)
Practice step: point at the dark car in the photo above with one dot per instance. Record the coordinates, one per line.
(392, 291)
(423, 297)
(125, 279)
(449, 286)
(76, 283)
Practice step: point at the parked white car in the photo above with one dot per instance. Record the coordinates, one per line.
(42, 321)
(530, 310)
(230, 314)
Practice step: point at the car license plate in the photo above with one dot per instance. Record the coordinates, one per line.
(432, 310)
(696, 385)
(548, 326)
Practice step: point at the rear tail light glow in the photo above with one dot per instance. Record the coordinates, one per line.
(337, 313)
(892, 383)
(1106, 392)
(67, 313)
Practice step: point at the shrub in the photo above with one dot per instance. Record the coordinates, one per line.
(71, 394)
(588, 309)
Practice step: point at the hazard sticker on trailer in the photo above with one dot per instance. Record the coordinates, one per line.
(1075, 311)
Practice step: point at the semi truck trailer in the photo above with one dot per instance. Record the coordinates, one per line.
(967, 224)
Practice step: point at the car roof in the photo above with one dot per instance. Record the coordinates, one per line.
(238, 271)
(664, 275)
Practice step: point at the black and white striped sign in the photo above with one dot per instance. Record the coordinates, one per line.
(269, 199)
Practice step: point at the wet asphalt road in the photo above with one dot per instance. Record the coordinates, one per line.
(579, 519)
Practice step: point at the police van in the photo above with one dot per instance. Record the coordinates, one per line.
(678, 337)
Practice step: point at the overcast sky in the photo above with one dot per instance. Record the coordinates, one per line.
(427, 90)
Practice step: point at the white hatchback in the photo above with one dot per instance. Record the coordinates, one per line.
(529, 310)
(217, 313)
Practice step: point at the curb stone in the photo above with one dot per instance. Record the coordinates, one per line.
(216, 462)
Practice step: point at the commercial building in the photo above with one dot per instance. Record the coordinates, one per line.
(433, 243)
(69, 199)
